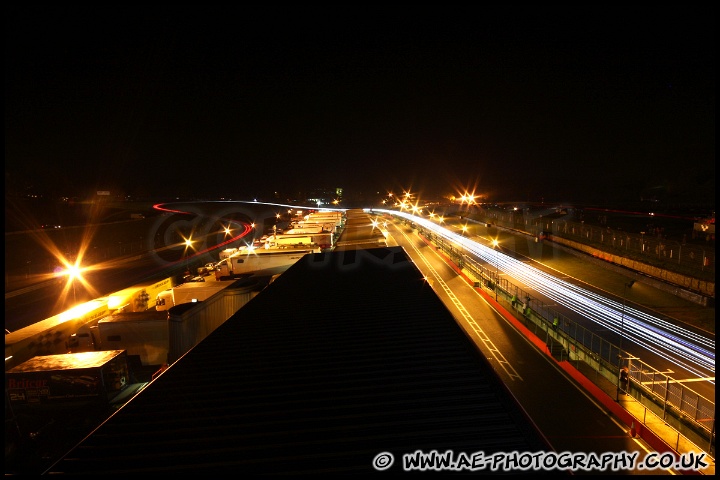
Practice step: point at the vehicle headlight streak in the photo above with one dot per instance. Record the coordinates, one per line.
(677, 345)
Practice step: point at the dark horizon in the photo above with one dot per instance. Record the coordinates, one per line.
(23, 214)
(554, 104)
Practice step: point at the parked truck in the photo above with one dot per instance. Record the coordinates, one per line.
(188, 292)
(228, 252)
(267, 260)
(323, 239)
(135, 299)
(328, 222)
(144, 334)
(69, 380)
(304, 230)
(54, 399)
(281, 240)
(49, 336)
(61, 333)
(153, 335)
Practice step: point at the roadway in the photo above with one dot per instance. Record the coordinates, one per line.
(608, 286)
(571, 418)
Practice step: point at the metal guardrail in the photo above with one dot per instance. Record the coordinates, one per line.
(690, 414)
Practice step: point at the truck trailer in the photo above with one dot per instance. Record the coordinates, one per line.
(322, 240)
(259, 261)
(328, 223)
(140, 297)
(305, 229)
(158, 337)
(59, 333)
(53, 401)
(188, 292)
(67, 380)
(142, 334)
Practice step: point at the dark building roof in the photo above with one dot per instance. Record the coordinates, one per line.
(346, 355)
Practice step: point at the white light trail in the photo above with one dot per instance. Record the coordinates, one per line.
(677, 345)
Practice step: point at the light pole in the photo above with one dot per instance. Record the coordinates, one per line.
(622, 312)
(497, 269)
(73, 272)
(622, 334)
(188, 244)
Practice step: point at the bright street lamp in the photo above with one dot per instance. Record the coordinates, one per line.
(73, 273)
(72, 280)
(188, 244)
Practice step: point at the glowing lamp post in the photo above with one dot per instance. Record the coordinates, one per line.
(188, 244)
(73, 273)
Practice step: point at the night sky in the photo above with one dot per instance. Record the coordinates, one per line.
(571, 104)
